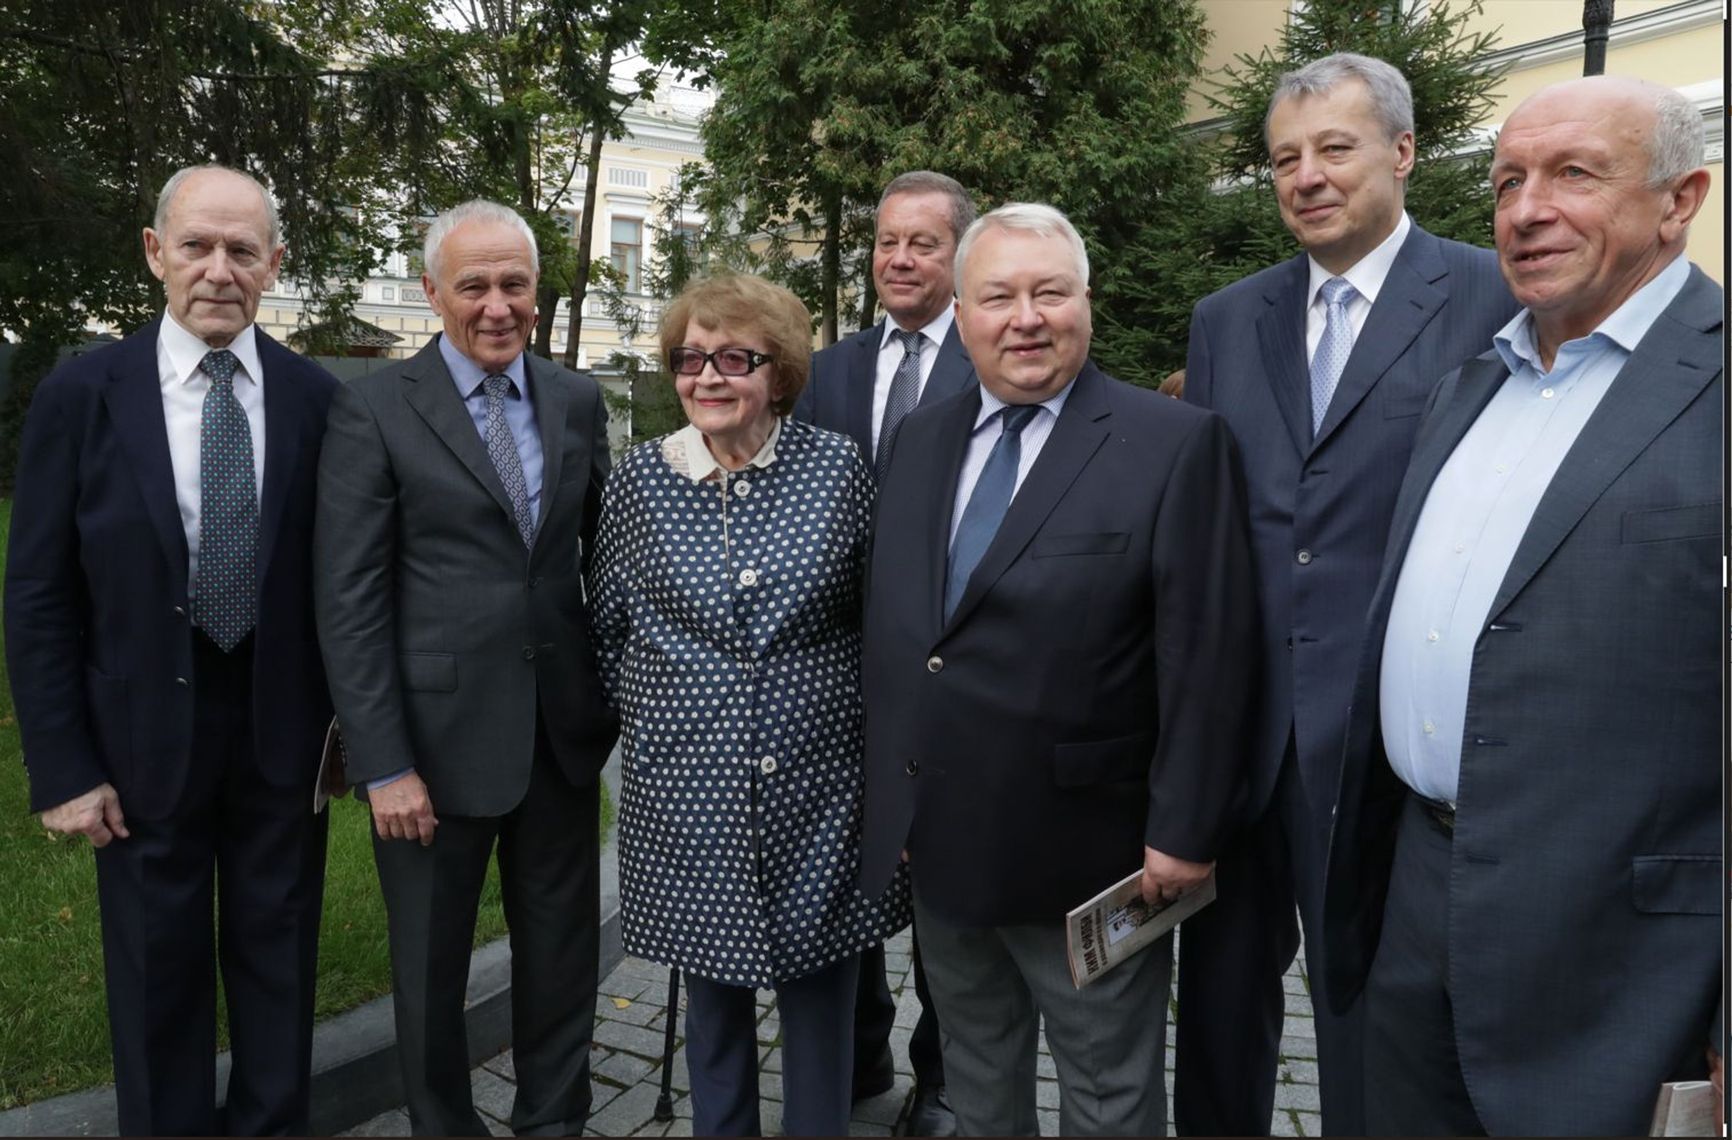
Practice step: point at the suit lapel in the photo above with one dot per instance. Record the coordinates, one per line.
(284, 402)
(1673, 363)
(1281, 337)
(938, 497)
(952, 372)
(429, 389)
(552, 395)
(134, 399)
(861, 374)
(1406, 303)
(1075, 438)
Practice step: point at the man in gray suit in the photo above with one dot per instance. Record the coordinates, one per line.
(1323, 399)
(457, 496)
(1525, 875)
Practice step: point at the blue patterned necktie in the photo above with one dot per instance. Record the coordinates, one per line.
(987, 504)
(904, 394)
(225, 598)
(1331, 355)
(502, 449)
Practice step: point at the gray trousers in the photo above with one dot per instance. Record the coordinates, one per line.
(993, 986)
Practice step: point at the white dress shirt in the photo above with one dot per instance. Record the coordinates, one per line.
(890, 355)
(980, 444)
(184, 384)
(1366, 277)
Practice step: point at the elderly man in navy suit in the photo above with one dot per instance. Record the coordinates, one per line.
(862, 387)
(1525, 888)
(1320, 365)
(159, 632)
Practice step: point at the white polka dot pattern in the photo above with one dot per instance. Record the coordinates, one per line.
(225, 597)
(735, 665)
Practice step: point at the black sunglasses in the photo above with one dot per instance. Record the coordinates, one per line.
(728, 361)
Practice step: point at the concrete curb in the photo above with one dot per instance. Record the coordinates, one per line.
(355, 1075)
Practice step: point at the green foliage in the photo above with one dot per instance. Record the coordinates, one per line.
(1145, 293)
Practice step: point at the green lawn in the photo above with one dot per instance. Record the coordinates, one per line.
(53, 1019)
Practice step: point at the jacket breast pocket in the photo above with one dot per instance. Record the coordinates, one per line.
(1662, 524)
(1677, 884)
(1103, 761)
(1059, 545)
(429, 672)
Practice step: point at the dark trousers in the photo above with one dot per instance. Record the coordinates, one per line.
(875, 1017)
(1413, 1080)
(817, 1053)
(549, 854)
(255, 851)
(1232, 955)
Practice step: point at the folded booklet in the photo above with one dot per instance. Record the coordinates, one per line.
(1117, 923)
(1684, 1108)
(332, 781)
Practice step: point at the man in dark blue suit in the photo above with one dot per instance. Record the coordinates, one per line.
(1320, 366)
(863, 386)
(159, 632)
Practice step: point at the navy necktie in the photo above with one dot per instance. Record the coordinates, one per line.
(502, 449)
(987, 504)
(904, 394)
(225, 597)
(1332, 351)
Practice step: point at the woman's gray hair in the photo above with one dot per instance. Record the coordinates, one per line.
(1679, 141)
(1391, 96)
(474, 210)
(165, 199)
(1026, 217)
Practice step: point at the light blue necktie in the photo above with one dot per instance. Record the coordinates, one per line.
(904, 394)
(225, 598)
(502, 449)
(1332, 351)
(987, 504)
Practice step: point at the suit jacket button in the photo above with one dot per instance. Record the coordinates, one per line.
(183, 682)
(529, 653)
(914, 767)
(1303, 557)
(934, 664)
(180, 611)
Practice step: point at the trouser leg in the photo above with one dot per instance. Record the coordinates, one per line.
(816, 1014)
(722, 1057)
(924, 1053)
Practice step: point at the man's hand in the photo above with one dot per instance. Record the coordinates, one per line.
(1166, 878)
(96, 815)
(402, 810)
(1717, 1075)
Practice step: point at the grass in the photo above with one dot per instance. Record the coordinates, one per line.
(53, 1011)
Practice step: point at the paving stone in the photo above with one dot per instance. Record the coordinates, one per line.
(624, 1068)
(1294, 984)
(601, 1093)
(770, 1117)
(897, 963)
(1298, 1048)
(1046, 1094)
(1301, 1072)
(899, 1039)
(772, 1062)
(1044, 1066)
(679, 1126)
(496, 1127)
(770, 1030)
(1302, 1097)
(770, 1086)
(1310, 1124)
(1048, 1119)
(908, 1008)
(625, 986)
(1283, 1124)
(393, 1123)
(639, 1012)
(629, 1111)
(504, 1065)
(493, 1094)
(901, 942)
(653, 1128)
(630, 1038)
(682, 1081)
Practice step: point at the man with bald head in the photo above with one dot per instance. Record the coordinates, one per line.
(159, 633)
(1525, 874)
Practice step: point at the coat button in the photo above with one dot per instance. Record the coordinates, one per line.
(1303, 557)
(767, 765)
(748, 577)
(913, 767)
(934, 664)
(529, 653)
(742, 488)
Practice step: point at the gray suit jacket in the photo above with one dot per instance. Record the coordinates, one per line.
(444, 639)
(1585, 888)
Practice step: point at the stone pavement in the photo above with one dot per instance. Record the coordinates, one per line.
(631, 1020)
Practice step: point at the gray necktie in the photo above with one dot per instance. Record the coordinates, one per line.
(904, 394)
(225, 599)
(502, 449)
(986, 504)
(1332, 351)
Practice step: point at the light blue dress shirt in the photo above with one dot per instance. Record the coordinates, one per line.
(519, 412)
(980, 444)
(1475, 517)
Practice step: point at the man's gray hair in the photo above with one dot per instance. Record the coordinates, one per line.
(274, 227)
(1026, 217)
(962, 210)
(1391, 96)
(1679, 142)
(474, 210)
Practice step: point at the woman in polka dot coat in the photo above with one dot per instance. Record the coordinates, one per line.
(726, 592)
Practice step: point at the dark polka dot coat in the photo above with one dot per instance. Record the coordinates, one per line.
(727, 616)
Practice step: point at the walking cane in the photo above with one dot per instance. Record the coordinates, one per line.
(665, 1102)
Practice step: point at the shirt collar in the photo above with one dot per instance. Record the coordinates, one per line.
(935, 330)
(1625, 327)
(1368, 273)
(991, 405)
(468, 375)
(687, 453)
(186, 351)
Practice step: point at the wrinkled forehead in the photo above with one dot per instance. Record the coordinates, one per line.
(219, 203)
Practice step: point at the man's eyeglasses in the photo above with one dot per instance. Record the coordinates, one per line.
(728, 361)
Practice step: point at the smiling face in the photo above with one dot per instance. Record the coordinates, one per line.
(1339, 178)
(913, 258)
(214, 255)
(1023, 313)
(733, 412)
(1579, 230)
(485, 292)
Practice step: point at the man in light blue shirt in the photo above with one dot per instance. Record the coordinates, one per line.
(1524, 876)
